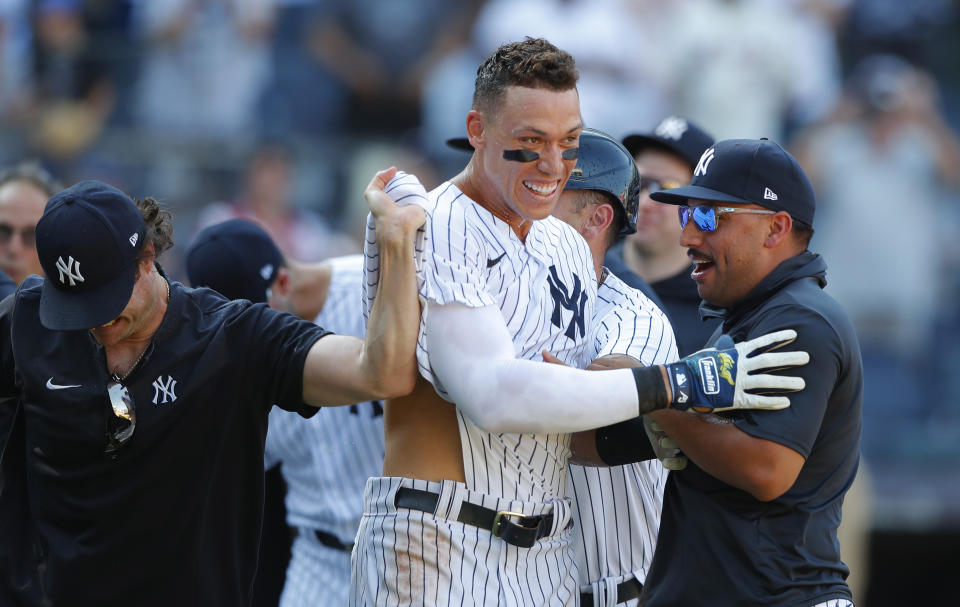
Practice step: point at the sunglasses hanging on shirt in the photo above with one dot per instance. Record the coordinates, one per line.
(122, 418)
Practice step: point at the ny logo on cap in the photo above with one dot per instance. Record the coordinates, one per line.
(69, 270)
(671, 128)
(704, 163)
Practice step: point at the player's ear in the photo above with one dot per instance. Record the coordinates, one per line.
(779, 229)
(599, 220)
(476, 129)
(281, 285)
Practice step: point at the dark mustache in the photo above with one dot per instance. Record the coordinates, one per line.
(691, 253)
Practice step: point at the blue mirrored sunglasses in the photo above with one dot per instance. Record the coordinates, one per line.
(705, 216)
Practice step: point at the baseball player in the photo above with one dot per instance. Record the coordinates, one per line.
(616, 509)
(326, 459)
(484, 519)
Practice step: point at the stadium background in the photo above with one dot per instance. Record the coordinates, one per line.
(283, 108)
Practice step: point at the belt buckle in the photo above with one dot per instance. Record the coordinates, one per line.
(498, 520)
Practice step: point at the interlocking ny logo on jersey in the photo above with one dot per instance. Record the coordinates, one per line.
(69, 270)
(573, 301)
(704, 163)
(164, 388)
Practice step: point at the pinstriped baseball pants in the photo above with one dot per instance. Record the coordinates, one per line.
(316, 575)
(405, 557)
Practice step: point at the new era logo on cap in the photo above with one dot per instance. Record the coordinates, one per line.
(769, 194)
(133, 239)
(266, 271)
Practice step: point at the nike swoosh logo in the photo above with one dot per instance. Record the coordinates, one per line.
(53, 386)
(493, 262)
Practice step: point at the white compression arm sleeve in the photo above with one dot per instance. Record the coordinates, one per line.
(473, 357)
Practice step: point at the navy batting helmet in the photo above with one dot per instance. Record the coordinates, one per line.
(606, 166)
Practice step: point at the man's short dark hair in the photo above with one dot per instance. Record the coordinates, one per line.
(32, 173)
(803, 233)
(533, 63)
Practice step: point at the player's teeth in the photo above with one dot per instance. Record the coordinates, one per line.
(540, 189)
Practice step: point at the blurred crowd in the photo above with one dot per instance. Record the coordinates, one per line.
(281, 109)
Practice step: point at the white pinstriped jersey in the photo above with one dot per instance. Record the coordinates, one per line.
(617, 509)
(328, 458)
(546, 290)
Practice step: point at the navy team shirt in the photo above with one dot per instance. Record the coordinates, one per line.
(175, 517)
(7, 286)
(718, 545)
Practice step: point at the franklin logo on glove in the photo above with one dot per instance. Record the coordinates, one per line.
(708, 376)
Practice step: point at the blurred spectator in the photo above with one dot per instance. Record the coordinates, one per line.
(879, 166)
(618, 46)
(302, 97)
(24, 191)
(205, 64)
(744, 65)
(896, 27)
(74, 86)
(379, 51)
(16, 63)
(266, 198)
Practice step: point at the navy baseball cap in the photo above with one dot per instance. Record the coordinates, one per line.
(675, 133)
(749, 171)
(236, 258)
(88, 241)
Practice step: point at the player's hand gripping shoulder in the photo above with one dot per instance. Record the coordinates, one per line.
(396, 225)
(719, 378)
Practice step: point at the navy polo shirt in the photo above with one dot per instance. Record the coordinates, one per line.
(720, 546)
(174, 518)
(7, 286)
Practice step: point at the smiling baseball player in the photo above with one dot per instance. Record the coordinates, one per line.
(484, 519)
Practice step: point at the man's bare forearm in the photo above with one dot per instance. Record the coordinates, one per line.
(391, 338)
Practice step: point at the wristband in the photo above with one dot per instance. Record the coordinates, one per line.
(624, 443)
(651, 391)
